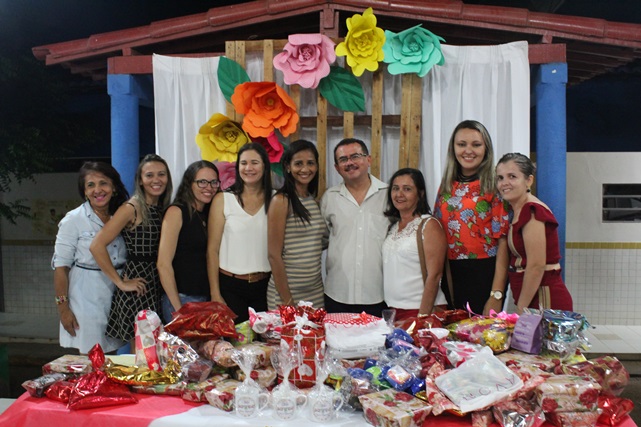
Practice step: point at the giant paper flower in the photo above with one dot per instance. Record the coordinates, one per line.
(272, 145)
(363, 45)
(266, 107)
(415, 50)
(220, 139)
(226, 174)
(305, 60)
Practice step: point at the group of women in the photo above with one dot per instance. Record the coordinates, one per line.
(251, 246)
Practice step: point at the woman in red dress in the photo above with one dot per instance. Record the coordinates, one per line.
(533, 240)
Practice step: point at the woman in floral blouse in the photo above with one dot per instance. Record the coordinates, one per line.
(475, 220)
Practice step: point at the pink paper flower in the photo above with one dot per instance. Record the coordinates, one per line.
(305, 60)
(226, 174)
(273, 146)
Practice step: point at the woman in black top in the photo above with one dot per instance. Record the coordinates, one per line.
(182, 261)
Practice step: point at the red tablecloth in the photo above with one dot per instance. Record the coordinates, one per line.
(170, 411)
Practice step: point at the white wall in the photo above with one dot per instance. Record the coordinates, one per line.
(586, 174)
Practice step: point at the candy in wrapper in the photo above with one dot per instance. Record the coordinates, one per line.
(398, 377)
(96, 389)
(222, 395)
(245, 333)
(265, 377)
(147, 327)
(38, 386)
(482, 418)
(68, 364)
(614, 409)
(606, 370)
(572, 419)
(203, 321)
(391, 408)
(518, 413)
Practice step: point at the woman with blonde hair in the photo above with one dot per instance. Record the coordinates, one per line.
(139, 221)
(475, 220)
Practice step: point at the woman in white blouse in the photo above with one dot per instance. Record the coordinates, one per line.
(404, 287)
(237, 262)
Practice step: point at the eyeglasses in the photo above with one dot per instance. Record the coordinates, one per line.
(202, 183)
(354, 157)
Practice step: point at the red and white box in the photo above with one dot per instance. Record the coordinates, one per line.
(353, 336)
(568, 393)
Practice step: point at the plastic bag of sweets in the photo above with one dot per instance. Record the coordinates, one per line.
(487, 331)
(38, 386)
(265, 377)
(261, 351)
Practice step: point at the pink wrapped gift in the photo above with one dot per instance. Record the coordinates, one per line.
(165, 389)
(265, 377)
(515, 357)
(573, 419)
(222, 395)
(391, 408)
(68, 364)
(606, 370)
(568, 393)
(459, 352)
(218, 351)
(532, 377)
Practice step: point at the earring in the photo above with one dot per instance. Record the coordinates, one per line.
(529, 191)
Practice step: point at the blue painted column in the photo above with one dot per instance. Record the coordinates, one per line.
(551, 141)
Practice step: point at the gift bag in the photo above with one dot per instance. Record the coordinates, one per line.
(147, 328)
(528, 333)
(305, 342)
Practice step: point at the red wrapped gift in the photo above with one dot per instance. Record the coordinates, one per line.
(306, 342)
(614, 409)
(203, 321)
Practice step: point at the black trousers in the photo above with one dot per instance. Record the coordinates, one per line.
(333, 306)
(240, 295)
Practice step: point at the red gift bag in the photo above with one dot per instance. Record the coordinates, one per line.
(305, 341)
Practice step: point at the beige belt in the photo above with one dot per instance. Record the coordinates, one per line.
(250, 278)
(548, 267)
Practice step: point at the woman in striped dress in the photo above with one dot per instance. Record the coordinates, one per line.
(297, 234)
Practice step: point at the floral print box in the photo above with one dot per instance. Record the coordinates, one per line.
(391, 408)
(568, 393)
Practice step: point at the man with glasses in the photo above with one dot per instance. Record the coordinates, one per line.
(353, 211)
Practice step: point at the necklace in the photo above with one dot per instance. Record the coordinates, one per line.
(202, 221)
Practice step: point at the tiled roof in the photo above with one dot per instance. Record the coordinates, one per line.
(593, 46)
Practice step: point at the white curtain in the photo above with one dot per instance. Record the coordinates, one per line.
(490, 84)
(186, 94)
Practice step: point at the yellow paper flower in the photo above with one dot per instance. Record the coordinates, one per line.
(220, 139)
(363, 45)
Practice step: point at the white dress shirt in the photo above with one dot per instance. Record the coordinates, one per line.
(356, 234)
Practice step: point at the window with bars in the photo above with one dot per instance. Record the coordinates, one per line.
(621, 203)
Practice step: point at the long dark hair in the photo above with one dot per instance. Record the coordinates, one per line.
(238, 186)
(422, 207)
(289, 186)
(185, 193)
(120, 193)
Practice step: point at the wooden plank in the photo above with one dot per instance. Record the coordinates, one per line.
(321, 142)
(294, 92)
(377, 122)
(230, 53)
(416, 109)
(268, 57)
(348, 124)
(406, 98)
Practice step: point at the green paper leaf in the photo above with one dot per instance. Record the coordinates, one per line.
(230, 74)
(277, 168)
(343, 90)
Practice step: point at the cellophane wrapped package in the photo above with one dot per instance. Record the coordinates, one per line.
(163, 389)
(261, 351)
(147, 327)
(38, 386)
(573, 419)
(195, 392)
(351, 335)
(265, 377)
(568, 393)
(479, 382)
(515, 357)
(203, 321)
(68, 364)
(518, 413)
(488, 331)
(608, 371)
(219, 351)
(614, 409)
(391, 408)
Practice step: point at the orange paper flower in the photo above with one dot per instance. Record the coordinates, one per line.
(266, 107)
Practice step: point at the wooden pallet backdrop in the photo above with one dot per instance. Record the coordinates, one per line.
(409, 120)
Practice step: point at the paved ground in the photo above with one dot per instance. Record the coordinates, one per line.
(23, 361)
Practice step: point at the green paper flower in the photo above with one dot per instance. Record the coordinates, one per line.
(415, 50)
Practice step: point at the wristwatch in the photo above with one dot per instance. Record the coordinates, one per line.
(496, 295)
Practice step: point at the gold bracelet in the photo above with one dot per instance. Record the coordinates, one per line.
(61, 299)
